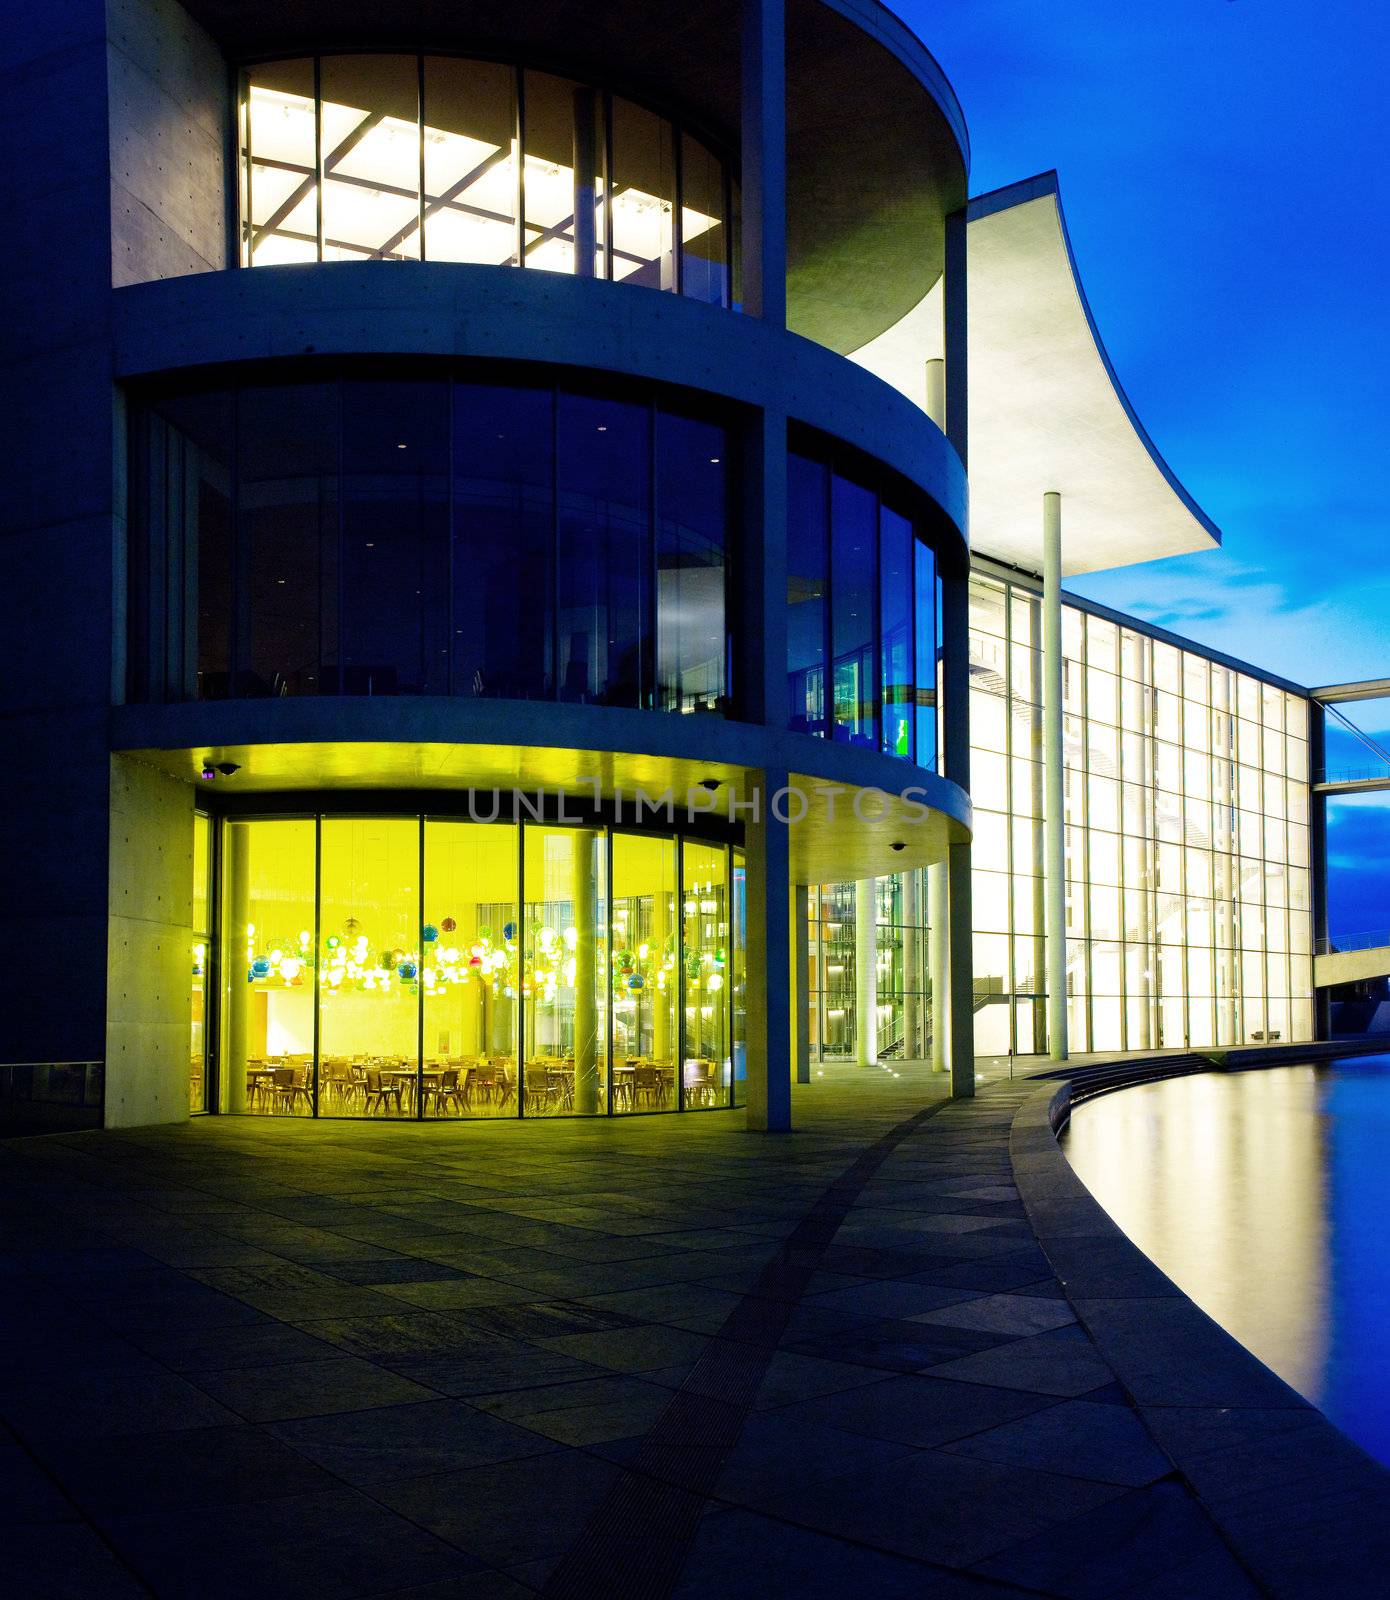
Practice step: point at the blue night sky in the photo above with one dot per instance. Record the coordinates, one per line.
(1222, 165)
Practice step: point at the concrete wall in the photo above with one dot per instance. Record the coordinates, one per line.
(149, 946)
(169, 94)
(58, 442)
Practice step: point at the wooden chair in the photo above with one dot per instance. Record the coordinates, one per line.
(699, 1083)
(379, 1090)
(542, 1088)
(290, 1087)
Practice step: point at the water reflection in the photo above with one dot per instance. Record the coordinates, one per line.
(1265, 1196)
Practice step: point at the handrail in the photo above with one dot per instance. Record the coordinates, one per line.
(1341, 942)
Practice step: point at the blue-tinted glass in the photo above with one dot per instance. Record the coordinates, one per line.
(704, 242)
(853, 577)
(287, 543)
(395, 538)
(181, 551)
(604, 582)
(808, 553)
(504, 541)
(927, 610)
(895, 626)
(692, 499)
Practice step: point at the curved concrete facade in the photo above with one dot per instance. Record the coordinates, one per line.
(112, 788)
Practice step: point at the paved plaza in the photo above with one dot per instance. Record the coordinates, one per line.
(634, 1357)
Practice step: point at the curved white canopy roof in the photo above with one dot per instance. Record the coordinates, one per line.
(1046, 409)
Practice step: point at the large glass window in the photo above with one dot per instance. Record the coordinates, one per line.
(862, 596)
(516, 166)
(470, 945)
(646, 975)
(565, 1056)
(378, 967)
(1177, 852)
(369, 992)
(692, 521)
(381, 536)
(269, 914)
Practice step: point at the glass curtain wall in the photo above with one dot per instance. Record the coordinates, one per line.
(1188, 877)
(862, 616)
(378, 967)
(388, 537)
(359, 157)
(900, 954)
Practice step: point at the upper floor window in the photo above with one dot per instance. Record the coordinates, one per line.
(440, 158)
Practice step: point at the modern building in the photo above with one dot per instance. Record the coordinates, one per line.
(497, 620)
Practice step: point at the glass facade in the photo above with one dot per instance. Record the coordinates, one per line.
(863, 615)
(387, 536)
(1188, 891)
(359, 157)
(902, 1024)
(422, 967)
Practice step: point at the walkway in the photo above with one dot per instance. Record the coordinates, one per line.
(644, 1358)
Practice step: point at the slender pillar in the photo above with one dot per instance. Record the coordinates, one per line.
(961, 978)
(1317, 856)
(936, 392)
(234, 985)
(767, 858)
(764, 161)
(1053, 811)
(866, 972)
(801, 988)
(587, 1042)
(585, 174)
(663, 1001)
(939, 963)
(912, 966)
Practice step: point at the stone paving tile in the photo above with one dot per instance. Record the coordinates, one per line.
(334, 1546)
(1014, 1314)
(1129, 1544)
(922, 1411)
(157, 1471)
(740, 1555)
(940, 1508)
(1047, 1363)
(78, 1565)
(790, 1377)
(28, 1495)
(592, 1411)
(1078, 1437)
(309, 1388)
(89, 1403)
(407, 1441)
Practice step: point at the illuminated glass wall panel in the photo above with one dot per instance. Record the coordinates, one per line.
(705, 949)
(198, 1041)
(370, 157)
(1186, 793)
(646, 985)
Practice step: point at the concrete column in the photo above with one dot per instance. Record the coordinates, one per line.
(764, 160)
(588, 1054)
(866, 972)
(1054, 812)
(767, 859)
(801, 988)
(1317, 857)
(585, 172)
(954, 759)
(936, 392)
(939, 962)
(912, 967)
(962, 1051)
(955, 333)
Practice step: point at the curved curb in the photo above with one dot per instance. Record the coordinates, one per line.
(1304, 1509)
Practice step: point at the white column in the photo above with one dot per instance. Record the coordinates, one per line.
(866, 972)
(962, 985)
(1053, 783)
(939, 962)
(936, 392)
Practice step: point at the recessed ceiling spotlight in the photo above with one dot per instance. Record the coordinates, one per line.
(898, 844)
(227, 768)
